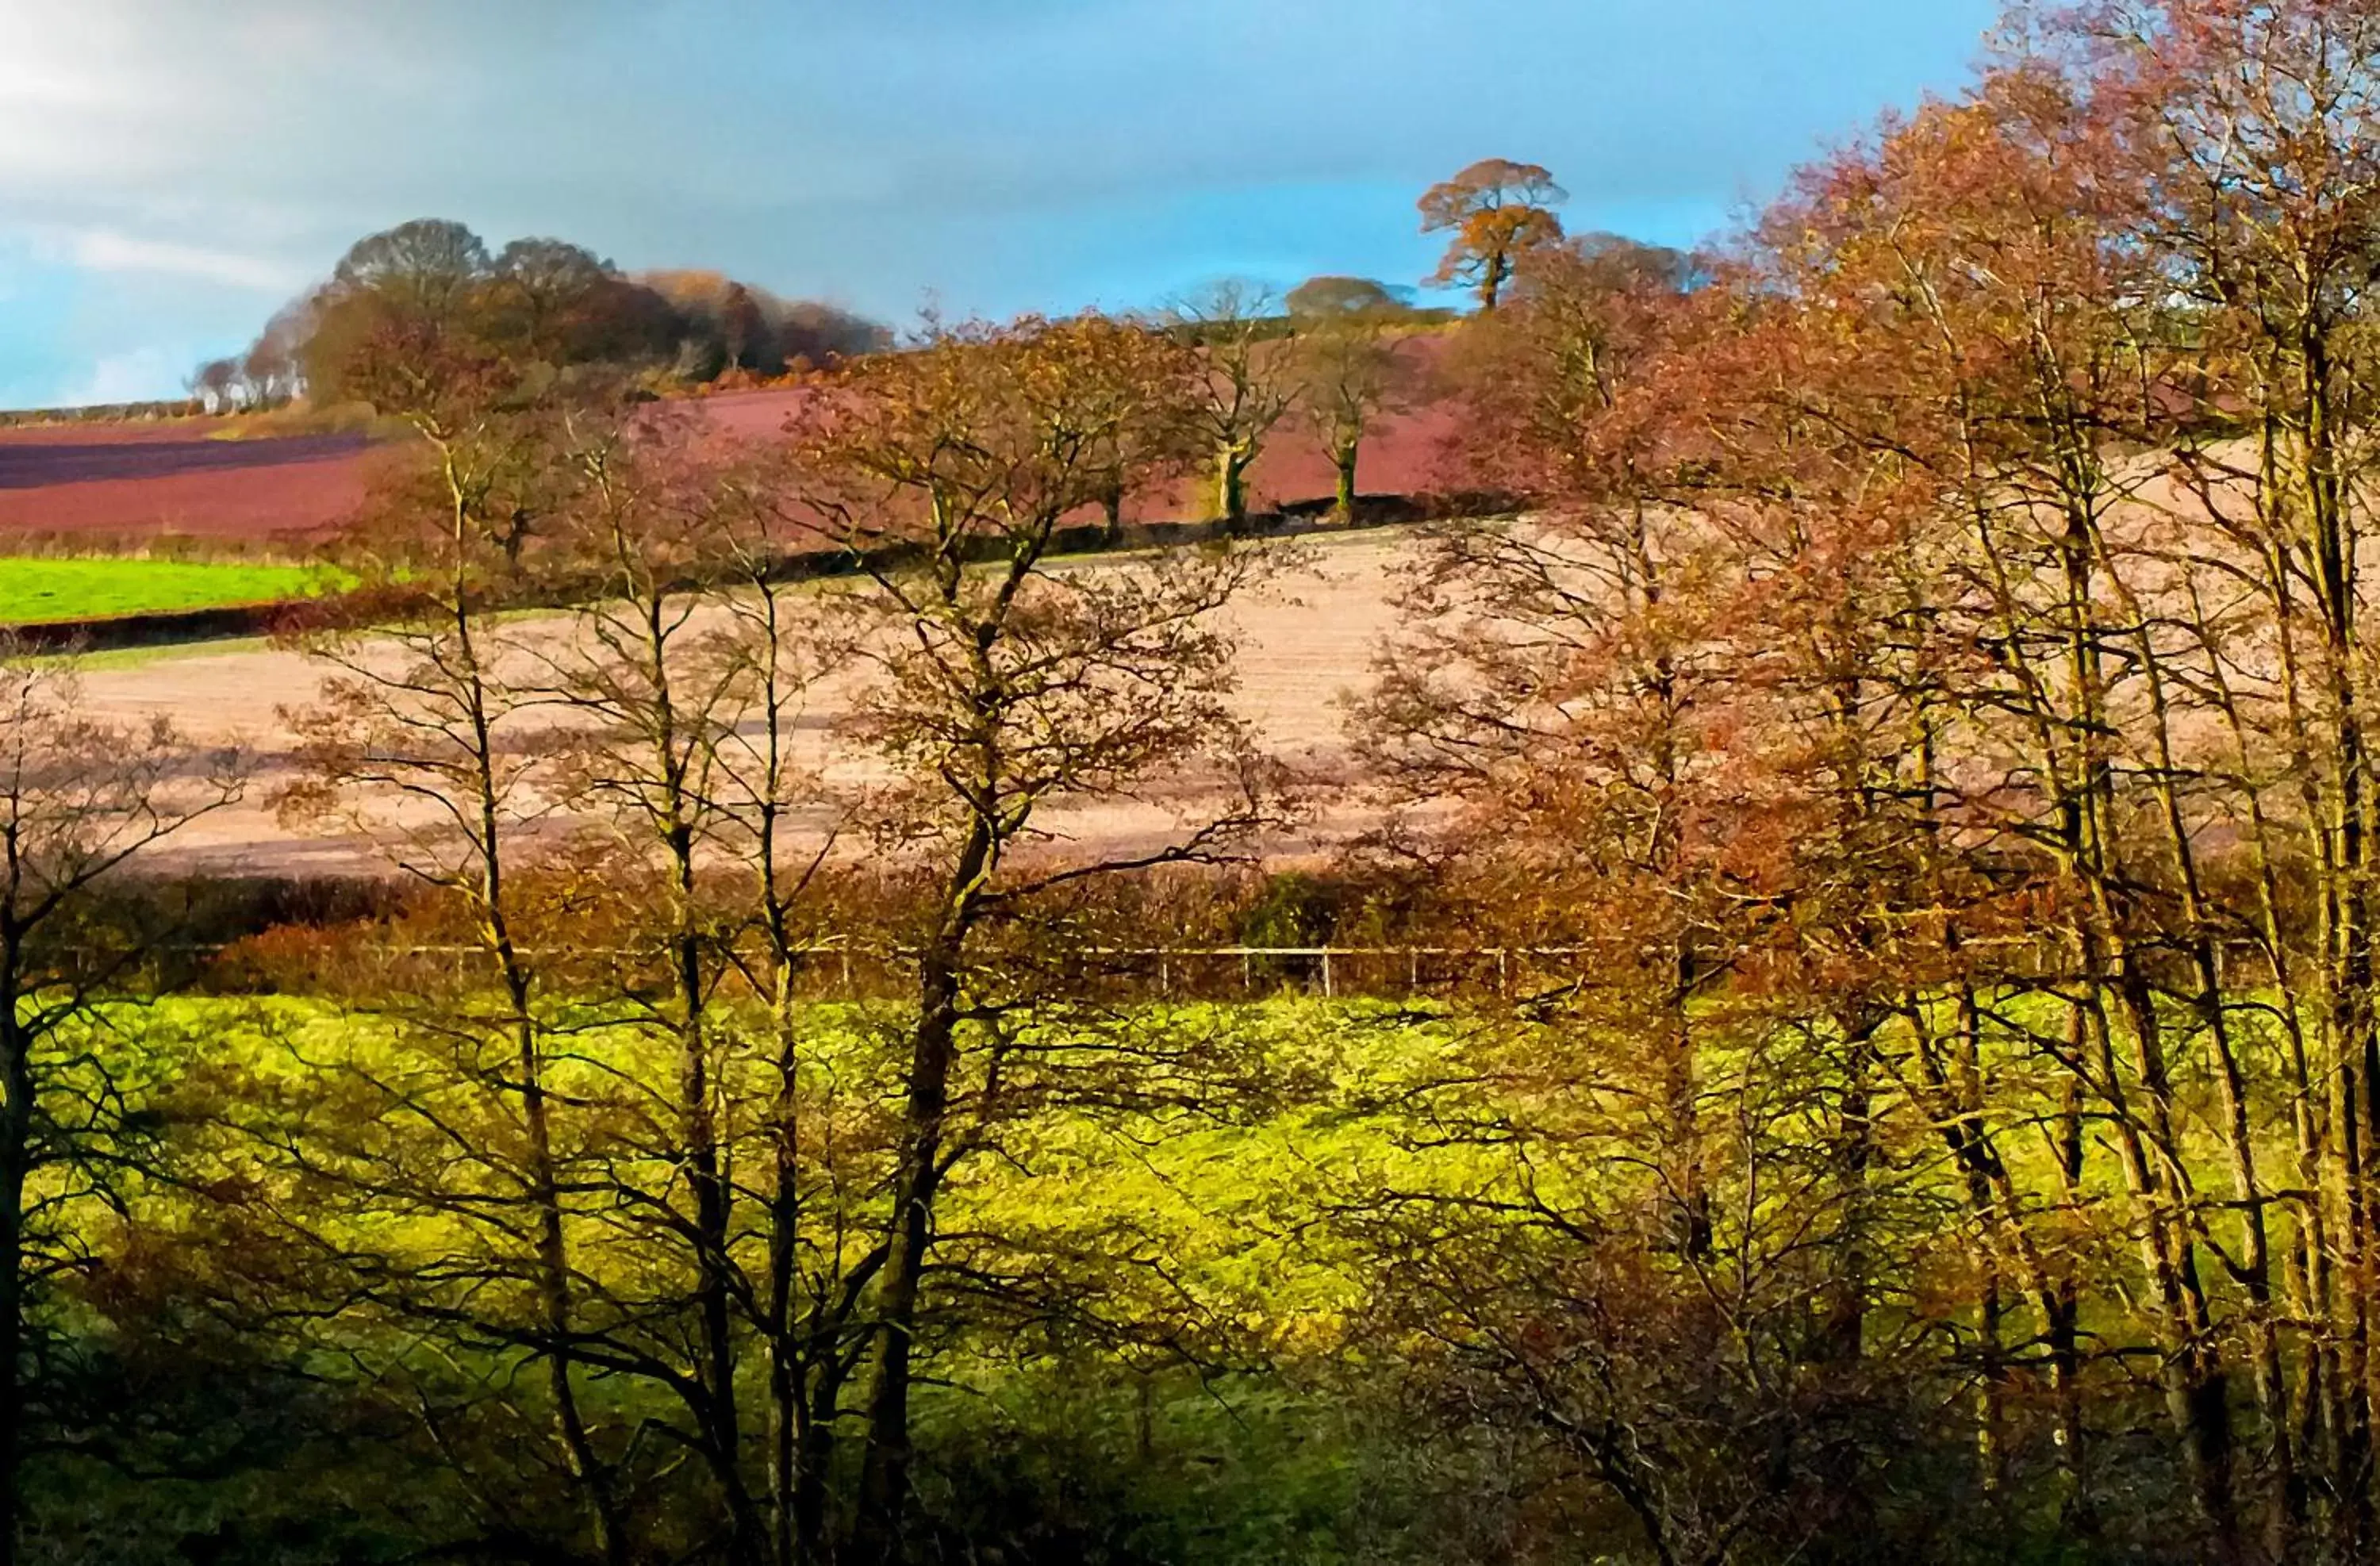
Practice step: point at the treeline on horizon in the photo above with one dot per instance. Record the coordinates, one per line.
(1908, 755)
(544, 299)
(554, 302)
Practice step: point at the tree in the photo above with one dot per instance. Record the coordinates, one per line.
(431, 267)
(1249, 384)
(274, 366)
(548, 298)
(1350, 371)
(670, 672)
(80, 799)
(426, 704)
(1498, 212)
(1319, 298)
(993, 695)
(216, 384)
(1153, 388)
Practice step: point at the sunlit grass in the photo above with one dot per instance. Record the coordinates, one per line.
(39, 592)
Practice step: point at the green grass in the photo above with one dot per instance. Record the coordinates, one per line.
(37, 591)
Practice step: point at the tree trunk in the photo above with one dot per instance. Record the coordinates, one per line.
(1111, 506)
(1232, 462)
(15, 1146)
(884, 1471)
(1344, 457)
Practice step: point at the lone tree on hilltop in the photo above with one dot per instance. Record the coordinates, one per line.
(1497, 209)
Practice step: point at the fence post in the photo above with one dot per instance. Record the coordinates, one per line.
(1326, 991)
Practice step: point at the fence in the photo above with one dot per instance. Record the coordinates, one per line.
(852, 971)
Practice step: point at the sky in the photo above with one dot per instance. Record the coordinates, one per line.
(170, 172)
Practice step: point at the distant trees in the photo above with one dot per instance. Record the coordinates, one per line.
(538, 301)
(430, 268)
(723, 325)
(1319, 298)
(555, 302)
(217, 384)
(1497, 210)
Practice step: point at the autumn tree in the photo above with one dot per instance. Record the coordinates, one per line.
(679, 685)
(1249, 383)
(1349, 367)
(999, 688)
(1497, 210)
(81, 800)
(424, 704)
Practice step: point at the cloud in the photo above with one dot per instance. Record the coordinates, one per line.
(1004, 154)
(137, 376)
(106, 250)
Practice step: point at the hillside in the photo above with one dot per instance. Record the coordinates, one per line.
(202, 479)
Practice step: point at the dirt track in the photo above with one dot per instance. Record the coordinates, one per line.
(1304, 644)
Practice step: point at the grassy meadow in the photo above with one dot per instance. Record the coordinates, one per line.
(1193, 1224)
(35, 590)
(1172, 1345)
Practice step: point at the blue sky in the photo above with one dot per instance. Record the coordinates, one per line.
(170, 172)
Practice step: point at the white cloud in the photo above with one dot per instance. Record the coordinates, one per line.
(137, 376)
(106, 250)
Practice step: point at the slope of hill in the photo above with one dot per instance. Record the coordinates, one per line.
(104, 484)
(137, 482)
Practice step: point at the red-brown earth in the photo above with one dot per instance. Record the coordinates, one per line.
(1306, 641)
(202, 479)
(1304, 645)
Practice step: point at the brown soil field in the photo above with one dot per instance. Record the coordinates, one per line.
(122, 484)
(1306, 642)
(129, 483)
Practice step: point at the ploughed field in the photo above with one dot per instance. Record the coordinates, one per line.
(182, 479)
(202, 479)
(1306, 642)
(69, 494)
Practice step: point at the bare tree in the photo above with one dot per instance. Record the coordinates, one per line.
(1000, 684)
(80, 799)
(1250, 381)
(1350, 371)
(423, 740)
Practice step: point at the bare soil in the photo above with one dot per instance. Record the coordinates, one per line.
(110, 485)
(1306, 643)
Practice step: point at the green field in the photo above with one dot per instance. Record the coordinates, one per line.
(36, 591)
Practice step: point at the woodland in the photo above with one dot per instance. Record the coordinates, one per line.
(1854, 1033)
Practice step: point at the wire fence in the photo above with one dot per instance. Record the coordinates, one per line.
(857, 971)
